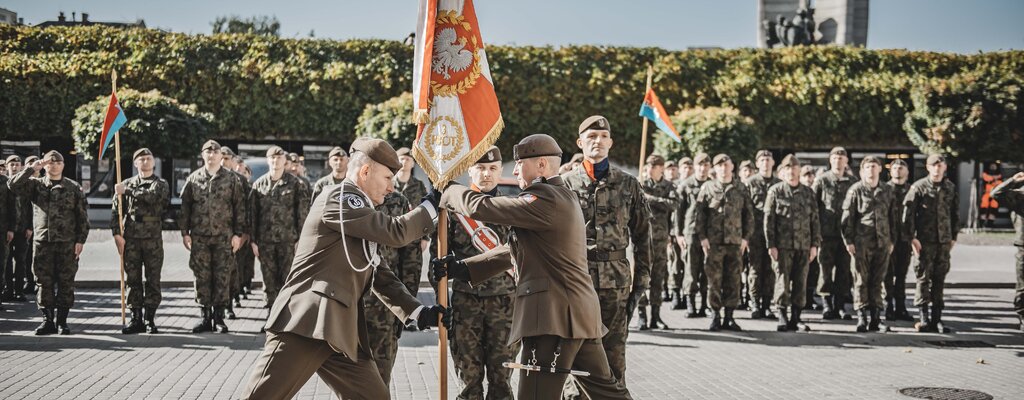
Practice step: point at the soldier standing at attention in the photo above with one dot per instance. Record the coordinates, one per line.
(792, 234)
(1011, 194)
(19, 281)
(899, 260)
(8, 221)
(141, 244)
(932, 219)
(412, 188)
(245, 259)
(660, 194)
(676, 257)
(869, 223)
(297, 168)
(830, 189)
(683, 227)
(761, 278)
(230, 163)
(807, 175)
(723, 218)
(61, 226)
(279, 207)
(615, 212)
(213, 224)
(337, 159)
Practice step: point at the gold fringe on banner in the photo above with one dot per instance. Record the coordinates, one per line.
(421, 116)
(460, 167)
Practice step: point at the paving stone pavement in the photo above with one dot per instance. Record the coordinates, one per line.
(832, 361)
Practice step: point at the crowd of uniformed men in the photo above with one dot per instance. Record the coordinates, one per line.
(769, 239)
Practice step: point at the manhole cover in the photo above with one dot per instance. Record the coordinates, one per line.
(934, 393)
(959, 343)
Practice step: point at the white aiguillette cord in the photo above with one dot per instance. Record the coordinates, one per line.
(371, 261)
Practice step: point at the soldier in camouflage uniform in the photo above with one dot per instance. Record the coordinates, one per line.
(899, 260)
(1010, 194)
(245, 259)
(869, 222)
(19, 281)
(482, 312)
(807, 175)
(141, 244)
(337, 158)
(297, 168)
(723, 218)
(230, 163)
(834, 281)
(660, 194)
(413, 189)
(683, 227)
(279, 204)
(213, 224)
(616, 212)
(676, 256)
(61, 226)
(760, 276)
(792, 234)
(931, 217)
(8, 221)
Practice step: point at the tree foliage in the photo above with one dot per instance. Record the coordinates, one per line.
(260, 25)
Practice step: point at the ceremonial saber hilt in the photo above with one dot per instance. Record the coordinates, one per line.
(537, 368)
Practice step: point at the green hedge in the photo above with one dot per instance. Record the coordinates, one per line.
(259, 87)
(710, 130)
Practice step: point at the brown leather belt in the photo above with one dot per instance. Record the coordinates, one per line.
(597, 255)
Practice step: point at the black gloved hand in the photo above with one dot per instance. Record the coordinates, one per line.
(428, 317)
(434, 197)
(448, 266)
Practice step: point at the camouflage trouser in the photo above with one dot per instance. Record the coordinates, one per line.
(659, 270)
(479, 344)
(383, 330)
(790, 278)
(813, 271)
(275, 262)
(870, 266)
(723, 266)
(411, 277)
(211, 264)
(1018, 298)
(835, 269)
(931, 269)
(17, 263)
(613, 316)
(896, 276)
(143, 257)
(676, 265)
(245, 264)
(55, 267)
(4, 250)
(760, 275)
(696, 280)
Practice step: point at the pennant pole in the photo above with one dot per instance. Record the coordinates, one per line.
(442, 298)
(120, 198)
(643, 135)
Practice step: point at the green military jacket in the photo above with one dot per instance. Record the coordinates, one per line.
(686, 192)
(60, 213)
(791, 217)
(1010, 194)
(213, 205)
(899, 192)
(723, 213)
(932, 211)
(406, 257)
(8, 211)
(758, 186)
(616, 212)
(278, 208)
(869, 215)
(413, 190)
(461, 244)
(145, 201)
(830, 190)
(661, 197)
(323, 183)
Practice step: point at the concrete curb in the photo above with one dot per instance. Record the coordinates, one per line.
(257, 285)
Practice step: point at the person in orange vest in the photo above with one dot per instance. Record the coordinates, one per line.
(992, 177)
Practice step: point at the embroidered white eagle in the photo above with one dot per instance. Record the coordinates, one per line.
(450, 53)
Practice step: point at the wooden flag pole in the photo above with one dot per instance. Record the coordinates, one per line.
(442, 298)
(120, 198)
(643, 135)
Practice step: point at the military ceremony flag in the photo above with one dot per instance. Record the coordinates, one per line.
(114, 120)
(654, 111)
(454, 101)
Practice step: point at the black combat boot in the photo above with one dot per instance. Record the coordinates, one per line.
(150, 314)
(937, 323)
(766, 305)
(62, 321)
(862, 320)
(840, 305)
(218, 320)
(784, 324)
(716, 322)
(827, 311)
(231, 312)
(135, 325)
(656, 322)
(206, 324)
(755, 310)
(678, 302)
(641, 318)
(729, 323)
(1021, 318)
(703, 312)
(796, 323)
(874, 321)
(47, 327)
(691, 306)
(890, 310)
(665, 295)
(901, 310)
(238, 302)
(925, 324)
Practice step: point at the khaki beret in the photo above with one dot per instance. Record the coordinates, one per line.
(379, 151)
(789, 160)
(935, 159)
(536, 145)
(492, 155)
(578, 157)
(275, 151)
(807, 170)
(53, 155)
(763, 153)
(701, 158)
(871, 160)
(670, 164)
(595, 122)
(744, 164)
(898, 161)
(686, 161)
(141, 152)
(30, 159)
(211, 145)
(337, 151)
(720, 158)
(13, 158)
(227, 151)
(404, 151)
(655, 160)
(839, 150)
(293, 157)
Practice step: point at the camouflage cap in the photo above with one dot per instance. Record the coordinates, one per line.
(838, 150)
(720, 158)
(275, 151)
(655, 160)
(935, 159)
(595, 122)
(13, 158)
(744, 164)
(227, 151)
(53, 155)
(871, 160)
(763, 153)
(404, 151)
(789, 160)
(141, 152)
(701, 158)
(536, 145)
(686, 161)
(899, 162)
(493, 154)
(337, 151)
(379, 151)
(210, 145)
